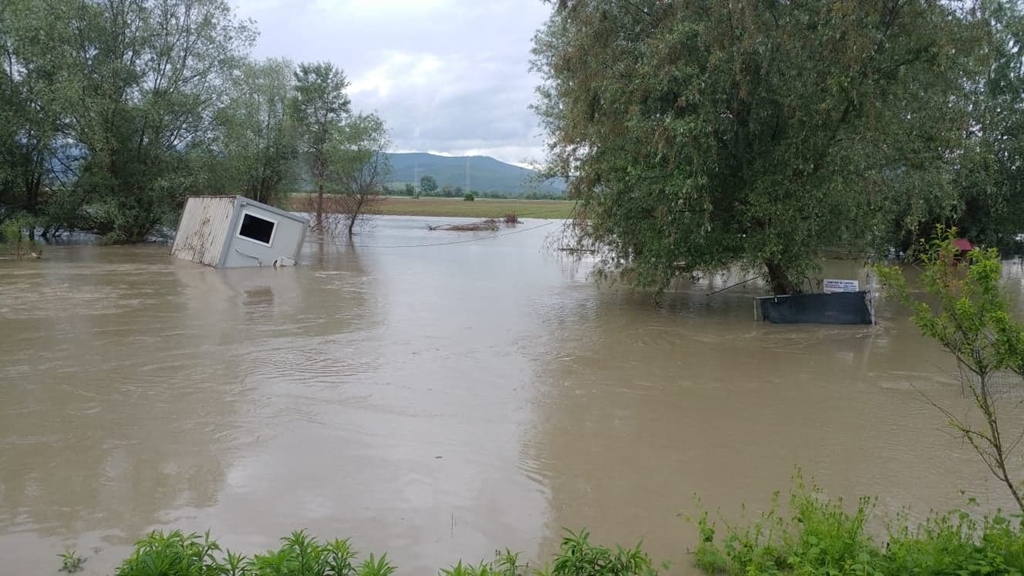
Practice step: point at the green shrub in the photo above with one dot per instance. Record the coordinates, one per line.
(819, 537)
(172, 554)
(179, 554)
(469, 197)
(12, 230)
(14, 238)
(578, 557)
(70, 562)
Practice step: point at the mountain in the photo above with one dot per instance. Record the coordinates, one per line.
(485, 174)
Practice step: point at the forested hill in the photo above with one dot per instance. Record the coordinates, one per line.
(485, 174)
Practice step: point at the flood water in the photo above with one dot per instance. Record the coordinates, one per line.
(435, 402)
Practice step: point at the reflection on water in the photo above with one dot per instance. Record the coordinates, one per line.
(437, 402)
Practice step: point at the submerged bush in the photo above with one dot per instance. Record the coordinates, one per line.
(179, 554)
(14, 238)
(819, 536)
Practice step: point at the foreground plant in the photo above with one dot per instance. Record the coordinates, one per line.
(819, 536)
(70, 562)
(179, 554)
(968, 314)
(578, 557)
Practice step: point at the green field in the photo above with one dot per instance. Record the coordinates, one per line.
(457, 207)
(479, 208)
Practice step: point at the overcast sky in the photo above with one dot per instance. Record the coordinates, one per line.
(448, 76)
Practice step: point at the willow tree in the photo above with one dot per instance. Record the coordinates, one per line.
(143, 79)
(105, 106)
(30, 112)
(988, 171)
(700, 135)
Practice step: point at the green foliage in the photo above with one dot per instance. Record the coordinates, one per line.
(376, 567)
(320, 109)
(172, 554)
(702, 135)
(969, 316)
(505, 564)
(178, 554)
(70, 562)
(110, 107)
(957, 543)
(991, 205)
(11, 230)
(820, 537)
(357, 168)
(13, 236)
(468, 197)
(320, 104)
(256, 142)
(428, 185)
(111, 113)
(578, 557)
(357, 157)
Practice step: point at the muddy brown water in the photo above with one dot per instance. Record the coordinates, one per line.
(436, 403)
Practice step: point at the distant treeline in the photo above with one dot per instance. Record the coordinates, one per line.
(447, 191)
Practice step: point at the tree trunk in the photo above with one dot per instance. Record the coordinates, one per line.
(320, 208)
(319, 175)
(355, 208)
(780, 282)
(32, 186)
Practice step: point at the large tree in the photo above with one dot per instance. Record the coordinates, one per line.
(700, 135)
(319, 108)
(359, 167)
(256, 141)
(144, 79)
(30, 111)
(991, 191)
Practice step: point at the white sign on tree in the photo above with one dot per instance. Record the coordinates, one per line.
(831, 286)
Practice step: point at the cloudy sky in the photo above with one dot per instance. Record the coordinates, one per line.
(449, 76)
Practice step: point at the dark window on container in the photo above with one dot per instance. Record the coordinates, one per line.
(256, 228)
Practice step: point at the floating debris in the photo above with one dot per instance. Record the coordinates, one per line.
(489, 225)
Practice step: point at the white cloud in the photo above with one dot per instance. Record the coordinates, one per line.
(382, 9)
(447, 75)
(400, 70)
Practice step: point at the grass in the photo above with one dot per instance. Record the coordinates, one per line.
(479, 208)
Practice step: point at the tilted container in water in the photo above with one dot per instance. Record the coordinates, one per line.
(233, 232)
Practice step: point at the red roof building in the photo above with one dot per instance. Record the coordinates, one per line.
(963, 244)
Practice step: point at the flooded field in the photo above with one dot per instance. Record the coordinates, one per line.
(436, 402)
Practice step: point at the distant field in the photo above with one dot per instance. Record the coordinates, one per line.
(455, 207)
(480, 208)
